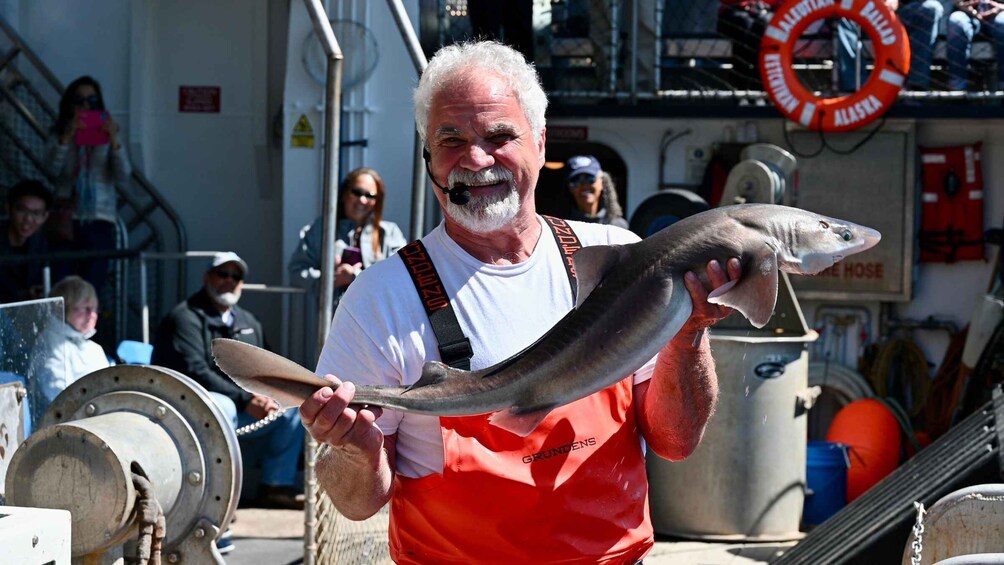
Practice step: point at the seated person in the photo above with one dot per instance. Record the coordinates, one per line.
(966, 22)
(28, 205)
(920, 18)
(359, 226)
(64, 351)
(594, 193)
(184, 343)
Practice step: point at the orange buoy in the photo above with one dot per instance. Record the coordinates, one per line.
(842, 113)
(872, 435)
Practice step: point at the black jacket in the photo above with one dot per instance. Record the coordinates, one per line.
(184, 343)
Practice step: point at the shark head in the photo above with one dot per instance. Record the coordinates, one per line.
(815, 242)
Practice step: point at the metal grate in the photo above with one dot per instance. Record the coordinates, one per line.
(888, 506)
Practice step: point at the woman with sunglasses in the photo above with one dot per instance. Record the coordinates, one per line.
(593, 192)
(64, 351)
(86, 159)
(362, 236)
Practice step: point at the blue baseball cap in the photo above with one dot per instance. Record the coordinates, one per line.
(582, 164)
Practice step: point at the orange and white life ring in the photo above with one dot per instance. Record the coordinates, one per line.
(843, 113)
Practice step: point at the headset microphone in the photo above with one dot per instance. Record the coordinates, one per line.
(460, 194)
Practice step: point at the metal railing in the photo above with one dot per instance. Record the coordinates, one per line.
(672, 50)
(140, 287)
(150, 222)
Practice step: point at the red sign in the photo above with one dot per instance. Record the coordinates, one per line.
(203, 99)
(567, 133)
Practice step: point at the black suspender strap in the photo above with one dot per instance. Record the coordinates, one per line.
(454, 347)
(568, 243)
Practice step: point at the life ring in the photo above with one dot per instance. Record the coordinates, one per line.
(843, 113)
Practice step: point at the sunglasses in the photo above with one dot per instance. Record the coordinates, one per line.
(91, 100)
(31, 213)
(581, 179)
(237, 276)
(360, 193)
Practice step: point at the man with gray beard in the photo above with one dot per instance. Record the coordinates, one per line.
(461, 489)
(183, 344)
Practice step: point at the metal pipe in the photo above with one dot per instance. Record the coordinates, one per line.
(332, 125)
(418, 184)
(332, 136)
(39, 66)
(144, 299)
(612, 56)
(657, 74)
(634, 51)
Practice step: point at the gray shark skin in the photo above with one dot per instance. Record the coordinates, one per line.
(631, 302)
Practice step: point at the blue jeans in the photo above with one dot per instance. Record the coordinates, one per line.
(921, 20)
(278, 446)
(962, 29)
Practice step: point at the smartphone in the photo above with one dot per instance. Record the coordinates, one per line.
(351, 256)
(90, 131)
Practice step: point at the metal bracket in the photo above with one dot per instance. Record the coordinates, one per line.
(998, 407)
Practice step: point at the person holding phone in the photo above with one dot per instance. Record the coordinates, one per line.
(86, 159)
(362, 236)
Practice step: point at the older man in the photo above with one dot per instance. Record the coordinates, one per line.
(184, 343)
(28, 204)
(462, 490)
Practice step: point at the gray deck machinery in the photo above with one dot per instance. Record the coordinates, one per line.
(143, 460)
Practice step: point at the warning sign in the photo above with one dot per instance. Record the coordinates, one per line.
(303, 134)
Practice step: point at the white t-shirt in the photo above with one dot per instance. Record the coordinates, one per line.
(381, 334)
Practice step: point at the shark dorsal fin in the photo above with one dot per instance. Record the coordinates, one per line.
(591, 265)
(433, 372)
(755, 292)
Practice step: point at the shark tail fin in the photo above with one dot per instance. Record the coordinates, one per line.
(755, 293)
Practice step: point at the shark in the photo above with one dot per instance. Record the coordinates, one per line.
(631, 302)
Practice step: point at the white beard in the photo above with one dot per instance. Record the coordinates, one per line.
(486, 213)
(227, 299)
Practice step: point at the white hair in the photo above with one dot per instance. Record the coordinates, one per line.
(458, 60)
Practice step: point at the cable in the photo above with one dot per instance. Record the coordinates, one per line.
(899, 364)
(152, 524)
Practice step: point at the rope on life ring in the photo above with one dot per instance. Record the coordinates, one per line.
(843, 113)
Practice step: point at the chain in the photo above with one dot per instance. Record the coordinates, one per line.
(917, 545)
(255, 426)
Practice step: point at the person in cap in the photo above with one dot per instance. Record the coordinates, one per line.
(184, 343)
(594, 193)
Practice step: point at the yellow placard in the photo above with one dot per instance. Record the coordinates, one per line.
(303, 134)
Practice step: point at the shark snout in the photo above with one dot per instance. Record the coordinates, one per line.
(871, 238)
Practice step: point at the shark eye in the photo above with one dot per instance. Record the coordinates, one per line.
(824, 225)
(847, 235)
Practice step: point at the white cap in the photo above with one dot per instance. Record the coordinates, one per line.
(227, 257)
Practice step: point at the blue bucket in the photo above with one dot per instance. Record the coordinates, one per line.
(826, 479)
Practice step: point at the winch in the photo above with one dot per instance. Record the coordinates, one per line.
(143, 460)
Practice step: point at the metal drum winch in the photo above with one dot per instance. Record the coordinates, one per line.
(124, 437)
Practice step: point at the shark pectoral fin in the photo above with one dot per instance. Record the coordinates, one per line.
(519, 424)
(754, 293)
(592, 264)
